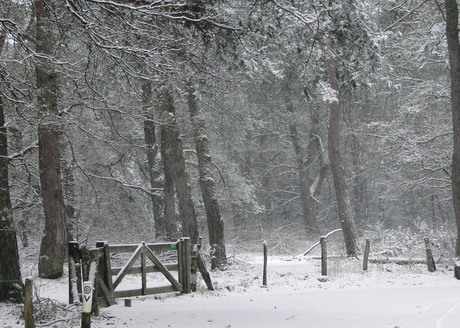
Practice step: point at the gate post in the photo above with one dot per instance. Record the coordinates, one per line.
(105, 265)
(179, 262)
(184, 263)
(75, 278)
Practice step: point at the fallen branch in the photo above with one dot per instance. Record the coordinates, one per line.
(313, 247)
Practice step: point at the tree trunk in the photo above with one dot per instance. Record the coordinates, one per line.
(315, 152)
(341, 193)
(303, 168)
(168, 183)
(453, 44)
(359, 182)
(152, 159)
(207, 184)
(11, 285)
(68, 186)
(168, 189)
(304, 162)
(176, 163)
(53, 246)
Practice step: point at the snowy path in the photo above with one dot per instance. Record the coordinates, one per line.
(387, 296)
(406, 307)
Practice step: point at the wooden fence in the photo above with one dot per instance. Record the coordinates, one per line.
(429, 260)
(96, 265)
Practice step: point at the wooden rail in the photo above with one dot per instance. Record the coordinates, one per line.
(143, 259)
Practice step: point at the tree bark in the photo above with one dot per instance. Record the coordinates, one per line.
(68, 189)
(168, 189)
(341, 193)
(304, 162)
(168, 183)
(303, 168)
(152, 159)
(453, 45)
(11, 285)
(175, 162)
(53, 246)
(315, 152)
(207, 183)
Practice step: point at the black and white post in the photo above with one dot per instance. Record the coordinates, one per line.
(87, 303)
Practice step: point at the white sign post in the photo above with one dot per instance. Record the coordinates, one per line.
(87, 296)
(87, 302)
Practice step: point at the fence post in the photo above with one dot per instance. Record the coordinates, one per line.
(143, 270)
(185, 266)
(102, 270)
(28, 305)
(323, 256)
(74, 258)
(108, 268)
(264, 279)
(366, 254)
(179, 263)
(429, 256)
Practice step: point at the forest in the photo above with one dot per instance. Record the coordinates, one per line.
(237, 121)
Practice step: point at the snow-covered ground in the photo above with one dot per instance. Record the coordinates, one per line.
(387, 295)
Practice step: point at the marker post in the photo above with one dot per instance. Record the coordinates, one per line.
(87, 302)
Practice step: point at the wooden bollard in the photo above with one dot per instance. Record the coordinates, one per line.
(366, 254)
(323, 256)
(28, 305)
(264, 279)
(429, 256)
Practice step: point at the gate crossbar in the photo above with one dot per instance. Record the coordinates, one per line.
(103, 278)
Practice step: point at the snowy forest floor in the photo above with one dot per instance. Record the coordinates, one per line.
(387, 295)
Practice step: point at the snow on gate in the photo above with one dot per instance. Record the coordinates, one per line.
(96, 266)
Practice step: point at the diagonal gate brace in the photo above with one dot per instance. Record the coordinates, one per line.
(162, 268)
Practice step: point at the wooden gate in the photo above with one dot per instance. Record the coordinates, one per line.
(96, 266)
